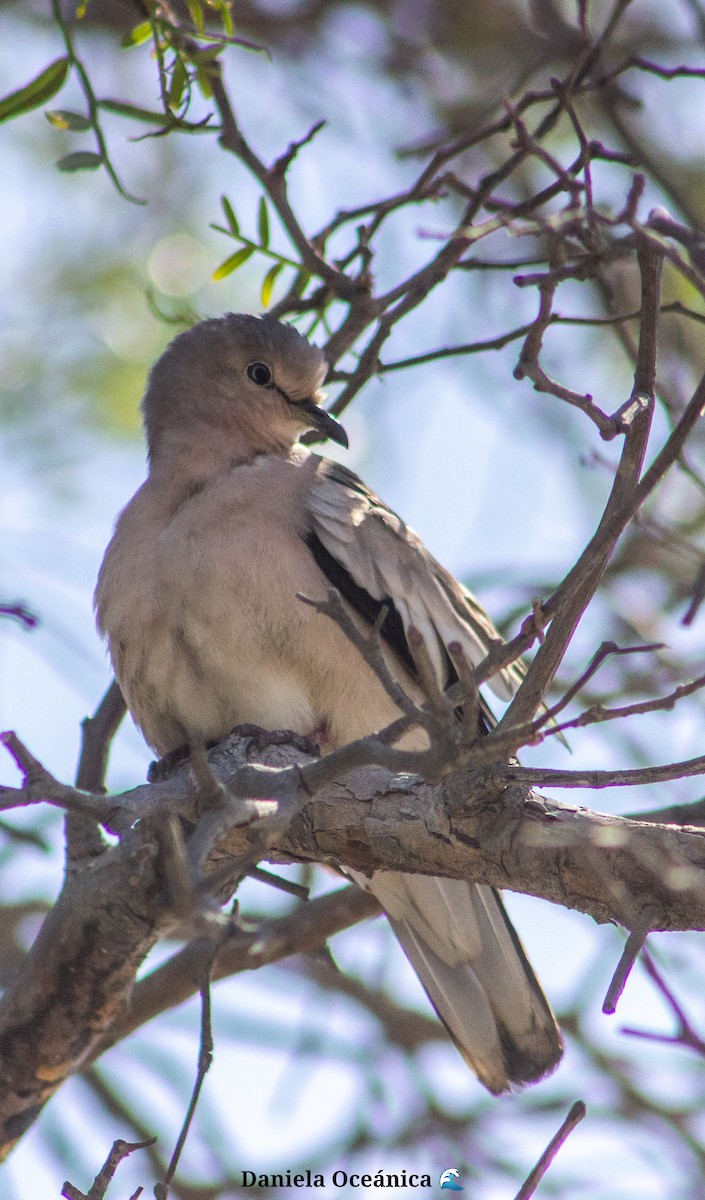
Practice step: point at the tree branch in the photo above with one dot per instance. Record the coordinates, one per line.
(70, 998)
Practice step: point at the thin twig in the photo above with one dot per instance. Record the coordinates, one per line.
(21, 613)
(99, 1187)
(685, 1034)
(40, 786)
(370, 647)
(279, 884)
(697, 597)
(97, 733)
(628, 493)
(302, 931)
(530, 366)
(599, 779)
(575, 1116)
(205, 1058)
(605, 651)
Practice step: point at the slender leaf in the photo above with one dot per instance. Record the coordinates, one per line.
(268, 284)
(206, 54)
(141, 33)
(263, 224)
(223, 7)
(302, 281)
(65, 118)
(178, 83)
(37, 92)
(131, 110)
(231, 264)
(230, 215)
(80, 160)
(196, 11)
(204, 82)
(227, 18)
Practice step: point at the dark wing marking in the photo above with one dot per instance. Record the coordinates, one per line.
(392, 627)
(378, 560)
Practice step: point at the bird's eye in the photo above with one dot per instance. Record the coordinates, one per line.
(259, 373)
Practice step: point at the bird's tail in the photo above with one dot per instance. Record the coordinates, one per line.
(460, 941)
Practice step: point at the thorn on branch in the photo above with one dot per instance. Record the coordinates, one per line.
(634, 945)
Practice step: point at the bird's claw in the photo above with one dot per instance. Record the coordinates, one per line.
(261, 739)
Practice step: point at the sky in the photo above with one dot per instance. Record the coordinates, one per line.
(436, 443)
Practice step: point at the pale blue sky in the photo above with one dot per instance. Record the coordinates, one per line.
(458, 448)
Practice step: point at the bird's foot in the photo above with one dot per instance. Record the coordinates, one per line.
(164, 768)
(261, 739)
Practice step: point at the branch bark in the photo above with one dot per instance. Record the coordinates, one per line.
(71, 997)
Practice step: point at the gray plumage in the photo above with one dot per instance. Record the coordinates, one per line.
(197, 598)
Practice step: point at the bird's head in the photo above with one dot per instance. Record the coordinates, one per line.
(252, 384)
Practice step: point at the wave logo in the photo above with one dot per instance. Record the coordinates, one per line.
(449, 1179)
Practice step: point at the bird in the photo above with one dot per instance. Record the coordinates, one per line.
(198, 597)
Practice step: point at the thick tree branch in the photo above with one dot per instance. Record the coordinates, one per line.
(71, 996)
(304, 930)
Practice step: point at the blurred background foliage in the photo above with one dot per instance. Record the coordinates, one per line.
(316, 1067)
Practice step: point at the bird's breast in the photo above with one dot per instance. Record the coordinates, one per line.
(206, 629)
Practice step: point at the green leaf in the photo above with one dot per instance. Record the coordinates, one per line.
(65, 118)
(223, 7)
(206, 54)
(131, 110)
(80, 160)
(268, 284)
(231, 264)
(263, 224)
(178, 83)
(141, 33)
(204, 82)
(37, 92)
(230, 215)
(196, 11)
(227, 18)
(302, 281)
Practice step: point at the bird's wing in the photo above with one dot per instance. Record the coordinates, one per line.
(375, 560)
(456, 934)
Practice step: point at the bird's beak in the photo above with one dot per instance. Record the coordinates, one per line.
(324, 422)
